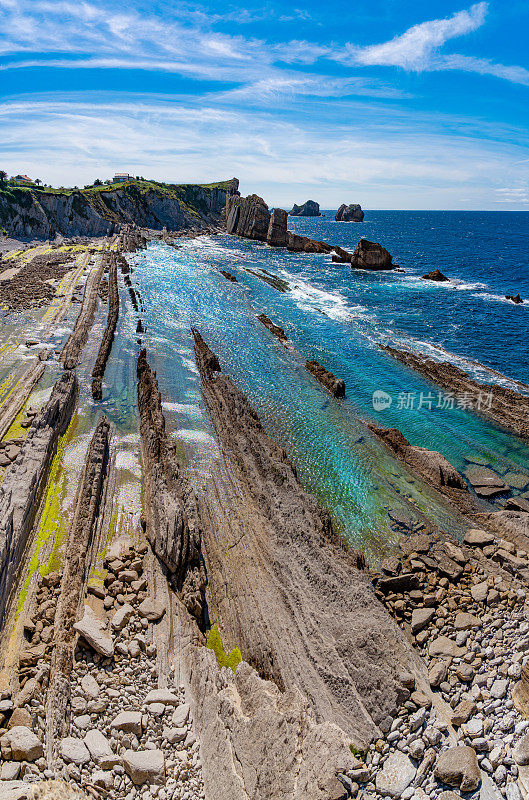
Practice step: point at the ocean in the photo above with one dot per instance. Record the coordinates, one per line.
(340, 317)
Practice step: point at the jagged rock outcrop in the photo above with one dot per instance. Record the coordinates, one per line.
(282, 586)
(341, 256)
(259, 742)
(435, 275)
(73, 348)
(336, 386)
(108, 335)
(515, 298)
(349, 213)
(275, 329)
(248, 217)
(302, 244)
(229, 276)
(173, 523)
(371, 255)
(24, 481)
(308, 209)
(505, 406)
(429, 465)
(39, 214)
(277, 235)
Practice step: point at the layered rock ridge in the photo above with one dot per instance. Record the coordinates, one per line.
(505, 406)
(24, 481)
(108, 335)
(173, 522)
(282, 586)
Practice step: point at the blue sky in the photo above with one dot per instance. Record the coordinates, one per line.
(388, 103)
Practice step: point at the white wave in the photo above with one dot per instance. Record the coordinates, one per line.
(309, 298)
(184, 408)
(498, 298)
(195, 436)
(191, 366)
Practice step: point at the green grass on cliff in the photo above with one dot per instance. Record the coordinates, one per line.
(231, 659)
(189, 195)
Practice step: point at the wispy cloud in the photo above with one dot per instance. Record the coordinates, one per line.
(415, 48)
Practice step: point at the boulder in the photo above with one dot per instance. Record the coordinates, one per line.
(479, 592)
(20, 716)
(458, 766)
(521, 751)
(371, 255)
(308, 209)
(395, 776)
(443, 646)
(129, 721)
(478, 538)
(180, 715)
(350, 213)
(21, 744)
(420, 618)
(144, 766)
(152, 610)
(436, 275)
(121, 617)
(93, 632)
(464, 621)
(74, 751)
(100, 750)
(164, 696)
(90, 686)
(277, 235)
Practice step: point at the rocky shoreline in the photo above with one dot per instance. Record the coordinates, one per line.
(229, 643)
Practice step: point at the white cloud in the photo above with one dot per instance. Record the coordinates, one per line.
(402, 166)
(413, 50)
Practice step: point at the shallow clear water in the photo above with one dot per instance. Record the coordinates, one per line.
(327, 317)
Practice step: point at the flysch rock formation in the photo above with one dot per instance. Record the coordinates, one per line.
(350, 213)
(505, 406)
(276, 330)
(72, 588)
(73, 348)
(259, 739)
(173, 523)
(23, 483)
(282, 586)
(108, 335)
(309, 209)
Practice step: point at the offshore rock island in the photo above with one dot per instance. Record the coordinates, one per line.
(185, 612)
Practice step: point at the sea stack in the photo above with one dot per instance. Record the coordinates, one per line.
(371, 255)
(277, 228)
(308, 209)
(350, 213)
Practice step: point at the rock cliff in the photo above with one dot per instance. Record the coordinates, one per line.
(41, 214)
(308, 209)
(350, 213)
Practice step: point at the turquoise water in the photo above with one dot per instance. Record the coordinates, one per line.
(326, 317)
